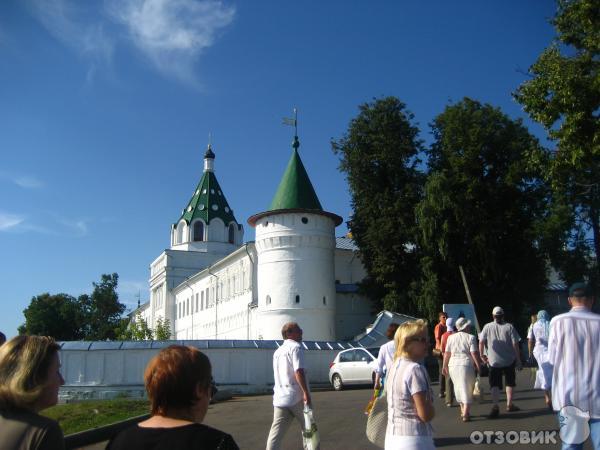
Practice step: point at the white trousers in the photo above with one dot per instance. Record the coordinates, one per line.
(282, 419)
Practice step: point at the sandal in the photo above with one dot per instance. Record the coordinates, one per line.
(512, 408)
(495, 412)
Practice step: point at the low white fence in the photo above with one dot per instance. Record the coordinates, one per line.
(109, 369)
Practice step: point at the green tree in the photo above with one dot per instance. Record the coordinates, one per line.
(379, 156)
(59, 316)
(481, 209)
(103, 309)
(135, 330)
(563, 94)
(162, 331)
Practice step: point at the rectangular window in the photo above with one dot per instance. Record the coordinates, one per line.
(202, 300)
(196, 302)
(187, 309)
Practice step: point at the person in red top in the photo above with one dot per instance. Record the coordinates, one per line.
(449, 386)
(438, 331)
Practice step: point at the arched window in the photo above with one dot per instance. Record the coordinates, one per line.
(180, 233)
(198, 231)
(231, 233)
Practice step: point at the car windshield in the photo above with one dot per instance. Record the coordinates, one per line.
(374, 351)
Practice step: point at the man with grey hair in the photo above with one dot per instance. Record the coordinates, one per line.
(503, 357)
(290, 389)
(572, 351)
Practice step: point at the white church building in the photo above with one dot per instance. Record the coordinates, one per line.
(212, 285)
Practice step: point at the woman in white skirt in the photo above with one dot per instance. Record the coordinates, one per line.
(460, 361)
(538, 340)
(409, 394)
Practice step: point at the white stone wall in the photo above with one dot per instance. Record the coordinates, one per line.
(348, 267)
(243, 370)
(296, 274)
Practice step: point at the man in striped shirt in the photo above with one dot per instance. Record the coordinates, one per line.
(573, 352)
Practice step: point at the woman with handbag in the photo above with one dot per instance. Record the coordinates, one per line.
(409, 394)
(460, 361)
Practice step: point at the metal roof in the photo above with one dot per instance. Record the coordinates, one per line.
(345, 243)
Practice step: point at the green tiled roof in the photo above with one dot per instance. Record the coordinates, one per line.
(295, 190)
(208, 202)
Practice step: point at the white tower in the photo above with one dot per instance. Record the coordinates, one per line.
(205, 232)
(295, 241)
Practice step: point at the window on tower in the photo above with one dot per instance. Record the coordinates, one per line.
(231, 233)
(198, 231)
(297, 299)
(268, 299)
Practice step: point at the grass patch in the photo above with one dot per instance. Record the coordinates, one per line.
(75, 417)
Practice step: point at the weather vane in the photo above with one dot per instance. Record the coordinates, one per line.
(293, 122)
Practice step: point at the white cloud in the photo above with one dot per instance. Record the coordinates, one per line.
(10, 221)
(172, 33)
(65, 21)
(28, 182)
(77, 226)
(24, 181)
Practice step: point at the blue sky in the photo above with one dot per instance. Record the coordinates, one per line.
(106, 107)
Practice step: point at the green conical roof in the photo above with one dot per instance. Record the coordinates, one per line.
(208, 202)
(295, 190)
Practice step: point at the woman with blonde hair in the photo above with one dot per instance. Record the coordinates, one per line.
(178, 382)
(409, 394)
(29, 382)
(460, 361)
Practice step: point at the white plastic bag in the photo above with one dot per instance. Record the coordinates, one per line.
(310, 434)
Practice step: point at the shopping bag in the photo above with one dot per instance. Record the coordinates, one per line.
(476, 389)
(310, 434)
(377, 422)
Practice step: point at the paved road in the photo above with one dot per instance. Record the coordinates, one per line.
(342, 422)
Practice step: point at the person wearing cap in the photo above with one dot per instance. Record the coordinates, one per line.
(449, 386)
(573, 352)
(537, 337)
(503, 357)
(461, 358)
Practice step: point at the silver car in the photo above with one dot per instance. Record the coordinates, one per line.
(353, 366)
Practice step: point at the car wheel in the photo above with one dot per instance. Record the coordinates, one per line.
(336, 380)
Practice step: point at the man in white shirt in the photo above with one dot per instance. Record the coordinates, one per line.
(385, 357)
(290, 391)
(503, 357)
(573, 352)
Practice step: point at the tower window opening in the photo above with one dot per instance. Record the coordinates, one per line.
(231, 233)
(198, 231)
(324, 300)
(304, 220)
(268, 299)
(297, 299)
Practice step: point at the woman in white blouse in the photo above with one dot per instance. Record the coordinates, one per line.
(538, 340)
(460, 361)
(409, 395)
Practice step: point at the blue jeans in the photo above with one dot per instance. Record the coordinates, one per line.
(594, 437)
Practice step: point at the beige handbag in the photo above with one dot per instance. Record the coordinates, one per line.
(377, 421)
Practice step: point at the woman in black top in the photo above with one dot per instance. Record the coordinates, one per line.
(178, 382)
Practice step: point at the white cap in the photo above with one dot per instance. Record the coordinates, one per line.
(498, 311)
